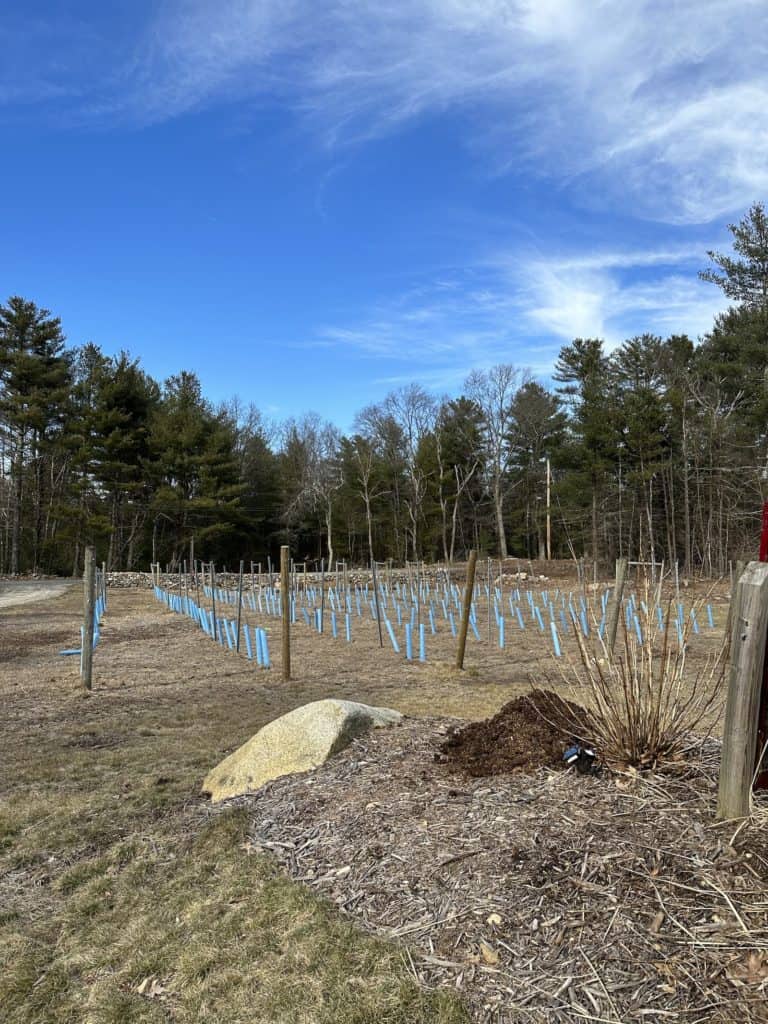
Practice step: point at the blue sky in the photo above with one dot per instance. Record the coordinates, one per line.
(310, 202)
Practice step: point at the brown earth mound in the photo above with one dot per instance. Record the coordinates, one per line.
(528, 732)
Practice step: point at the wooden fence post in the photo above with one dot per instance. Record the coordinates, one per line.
(89, 611)
(734, 589)
(376, 601)
(749, 621)
(239, 606)
(615, 609)
(285, 602)
(468, 592)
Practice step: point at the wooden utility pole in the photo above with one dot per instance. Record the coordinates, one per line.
(285, 602)
(748, 642)
(468, 592)
(549, 511)
(89, 612)
(614, 611)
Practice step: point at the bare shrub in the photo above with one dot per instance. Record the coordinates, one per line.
(646, 707)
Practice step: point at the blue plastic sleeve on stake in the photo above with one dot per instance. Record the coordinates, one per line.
(539, 618)
(501, 632)
(474, 629)
(395, 644)
(399, 615)
(520, 620)
(637, 629)
(248, 647)
(408, 642)
(660, 617)
(422, 643)
(555, 639)
(334, 628)
(348, 627)
(695, 623)
(451, 623)
(265, 649)
(584, 623)
(710, 620)
(432, 621)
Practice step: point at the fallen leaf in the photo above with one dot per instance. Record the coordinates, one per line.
(488, 953)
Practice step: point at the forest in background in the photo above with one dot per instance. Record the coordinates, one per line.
(655, 450)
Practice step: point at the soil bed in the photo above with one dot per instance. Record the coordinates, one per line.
(540, 896)
(530, 732)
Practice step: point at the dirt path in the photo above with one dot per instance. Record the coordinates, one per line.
(14, 592)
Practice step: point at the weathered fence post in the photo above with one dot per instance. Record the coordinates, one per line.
(285, 603)
(749, 619)
(734, 589)
(615, 609)
(212, 568)
(89, 610)
(239, 606)
(468, 593)
(376, 601)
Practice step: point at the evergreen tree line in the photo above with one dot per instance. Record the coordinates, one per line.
(654, 451)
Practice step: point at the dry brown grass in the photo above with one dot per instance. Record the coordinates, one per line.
(123, 897)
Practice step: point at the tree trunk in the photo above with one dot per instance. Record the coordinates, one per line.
(329, 530)
(498, 502)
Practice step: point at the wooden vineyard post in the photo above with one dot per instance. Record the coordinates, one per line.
(614, 612)
(748, 642)
(285, 603)
(734, 590)
(89, 611)
(322, 594)
(376, 602)
(213, 601)
(468, 592)
(239, 606)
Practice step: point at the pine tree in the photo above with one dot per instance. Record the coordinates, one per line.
(34, 383)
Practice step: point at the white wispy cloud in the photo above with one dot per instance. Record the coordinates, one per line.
(522, 307)
(666, 104)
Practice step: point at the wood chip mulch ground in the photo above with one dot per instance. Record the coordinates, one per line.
(541, 895)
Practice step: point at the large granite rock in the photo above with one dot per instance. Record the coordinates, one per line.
(297, 742)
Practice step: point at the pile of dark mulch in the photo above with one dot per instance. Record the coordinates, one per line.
(530, 732)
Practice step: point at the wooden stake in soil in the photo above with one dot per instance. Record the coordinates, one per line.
(89, 611)
(615, 608)
(376, 599)
(468, 592)
(322, 594)
(239, 606)
(213, 602)
(748, 642)
(285, 603)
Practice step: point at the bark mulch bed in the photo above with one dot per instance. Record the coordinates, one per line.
(542, 895)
